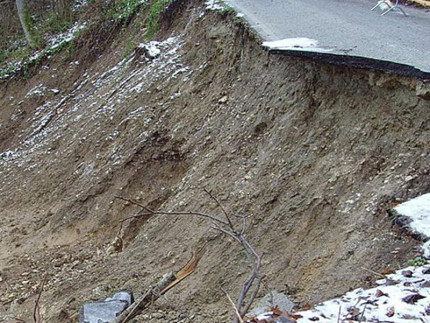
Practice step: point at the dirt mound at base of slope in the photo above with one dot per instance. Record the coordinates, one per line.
(311, 154)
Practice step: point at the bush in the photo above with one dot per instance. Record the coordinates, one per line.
(153, 17)
(417, 261)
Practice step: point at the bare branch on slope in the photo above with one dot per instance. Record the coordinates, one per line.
(251, 285)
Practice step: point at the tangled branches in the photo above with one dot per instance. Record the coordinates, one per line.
(225, 225)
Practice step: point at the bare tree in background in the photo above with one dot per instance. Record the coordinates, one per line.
(21, 14)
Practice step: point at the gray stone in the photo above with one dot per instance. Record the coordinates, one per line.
(284, 320)
(272, 299)
(106, 310)
(124, 296)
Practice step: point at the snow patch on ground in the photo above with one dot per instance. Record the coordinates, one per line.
(400, 297)
(154, 48)
(215, 5)
(54, 42)
(299, 43)
(151, 48)
(38, 90)
(418, 210)
(69, 35)
(9, 155)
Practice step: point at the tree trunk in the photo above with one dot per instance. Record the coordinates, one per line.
(21, 14)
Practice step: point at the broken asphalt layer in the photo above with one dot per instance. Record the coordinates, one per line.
(347, 33)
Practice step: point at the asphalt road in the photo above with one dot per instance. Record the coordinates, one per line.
(347, 30)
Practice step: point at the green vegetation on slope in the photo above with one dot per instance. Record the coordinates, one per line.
(47, 22)
(153, 17)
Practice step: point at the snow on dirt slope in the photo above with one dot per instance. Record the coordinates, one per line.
(400, 297)
(313, 155)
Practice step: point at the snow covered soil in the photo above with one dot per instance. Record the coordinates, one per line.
(215, 5)
(54, 42)
(102, 105)
(400, 297)
(418, 211)
(298, 44)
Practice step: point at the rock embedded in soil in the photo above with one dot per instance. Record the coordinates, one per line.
(271, 300)
(106, 310)
(284, 320)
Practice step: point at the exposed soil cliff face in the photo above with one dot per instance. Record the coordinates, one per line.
(311, 154)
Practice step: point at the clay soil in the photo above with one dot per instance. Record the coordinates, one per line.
(312, 155)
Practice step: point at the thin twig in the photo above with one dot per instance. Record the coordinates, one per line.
(150, 295)
(163, 286)
(255, 272)
(245, 288)
(247, 285)
(121, 223)
(239, 317)
(137, 215)
(338, 314)
(135, 203)
(242, 232)
(253, 295)
(152, 212)
(248, 247)
(232, 235)
(17, 318)
(221, 207)
(255, 277)
(362, 314)
(36, 311)
(259, 278)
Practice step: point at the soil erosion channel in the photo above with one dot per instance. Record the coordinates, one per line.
(311, 154)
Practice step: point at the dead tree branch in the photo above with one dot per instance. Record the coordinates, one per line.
(165, 284)
(151, 295)
(239, 317)
(230, 224)
(228, 233)
(187, 270)
(255, 275)
(36, 310)
(227, 227)
(153, 212)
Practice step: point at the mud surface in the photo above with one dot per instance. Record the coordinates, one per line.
(312, 155)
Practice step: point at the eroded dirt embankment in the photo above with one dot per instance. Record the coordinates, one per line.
(311, 154)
